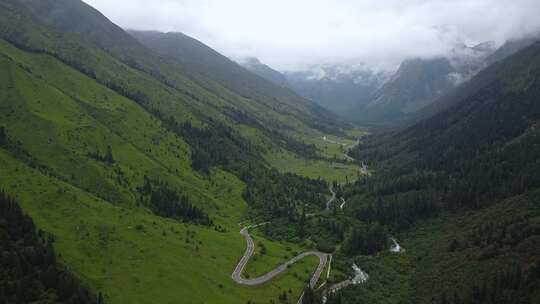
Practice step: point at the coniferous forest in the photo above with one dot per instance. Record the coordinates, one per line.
(30, 272)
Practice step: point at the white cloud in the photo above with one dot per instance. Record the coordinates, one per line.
(291, 34)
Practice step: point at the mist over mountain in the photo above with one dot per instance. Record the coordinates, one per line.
(363, 93)
(338, 88)
(512, 46)
(379, 32)
(420, 82)
(254, 65)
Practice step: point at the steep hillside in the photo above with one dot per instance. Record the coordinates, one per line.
(137, 158)
(492, 123)
(495, 70)
(422, 82)
(205, 64)
(270, 118)
(255, 66)
(511, 47)
(416, 83)
(482, 256)
(475, 164)
(141, 169)
(30, 272)
(233, 92)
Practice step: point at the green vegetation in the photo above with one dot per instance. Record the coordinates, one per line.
(457, 159)
(141, 169)
(310, 296)
(205, 65)
(3, 136)
(141, 162)
(287, 162)
(451, 252)
(29, 269)
(166, 202)
(119, 250)
(460, 189)
(367, 241)
(389, 279)
(269, 254)
(444, 258)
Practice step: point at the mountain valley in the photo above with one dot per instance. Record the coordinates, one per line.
(138, 166)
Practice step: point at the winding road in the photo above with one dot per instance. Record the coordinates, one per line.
(323, 257)
(237, 273)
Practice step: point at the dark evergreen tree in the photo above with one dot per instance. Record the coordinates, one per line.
(310, 296)
(368, 240)
(109, 159)
(3, 136)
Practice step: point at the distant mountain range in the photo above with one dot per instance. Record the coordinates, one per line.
(420, 82)
(364, 95)
(335, 87)
(338, 87)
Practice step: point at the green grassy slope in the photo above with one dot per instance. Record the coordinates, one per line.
(58, 115)
(205, 63)
(200, 69)
(64, 98)
(84, 39)
(132, 256)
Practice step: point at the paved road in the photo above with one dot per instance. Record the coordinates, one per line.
(237, 273)
(323, 257)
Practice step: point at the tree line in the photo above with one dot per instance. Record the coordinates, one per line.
(165, 201)
(269, 193)
(107, 158)
(29, 271)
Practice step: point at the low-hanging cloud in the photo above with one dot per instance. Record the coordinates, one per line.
(294, 34)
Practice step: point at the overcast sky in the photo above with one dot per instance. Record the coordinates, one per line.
(293, 34)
